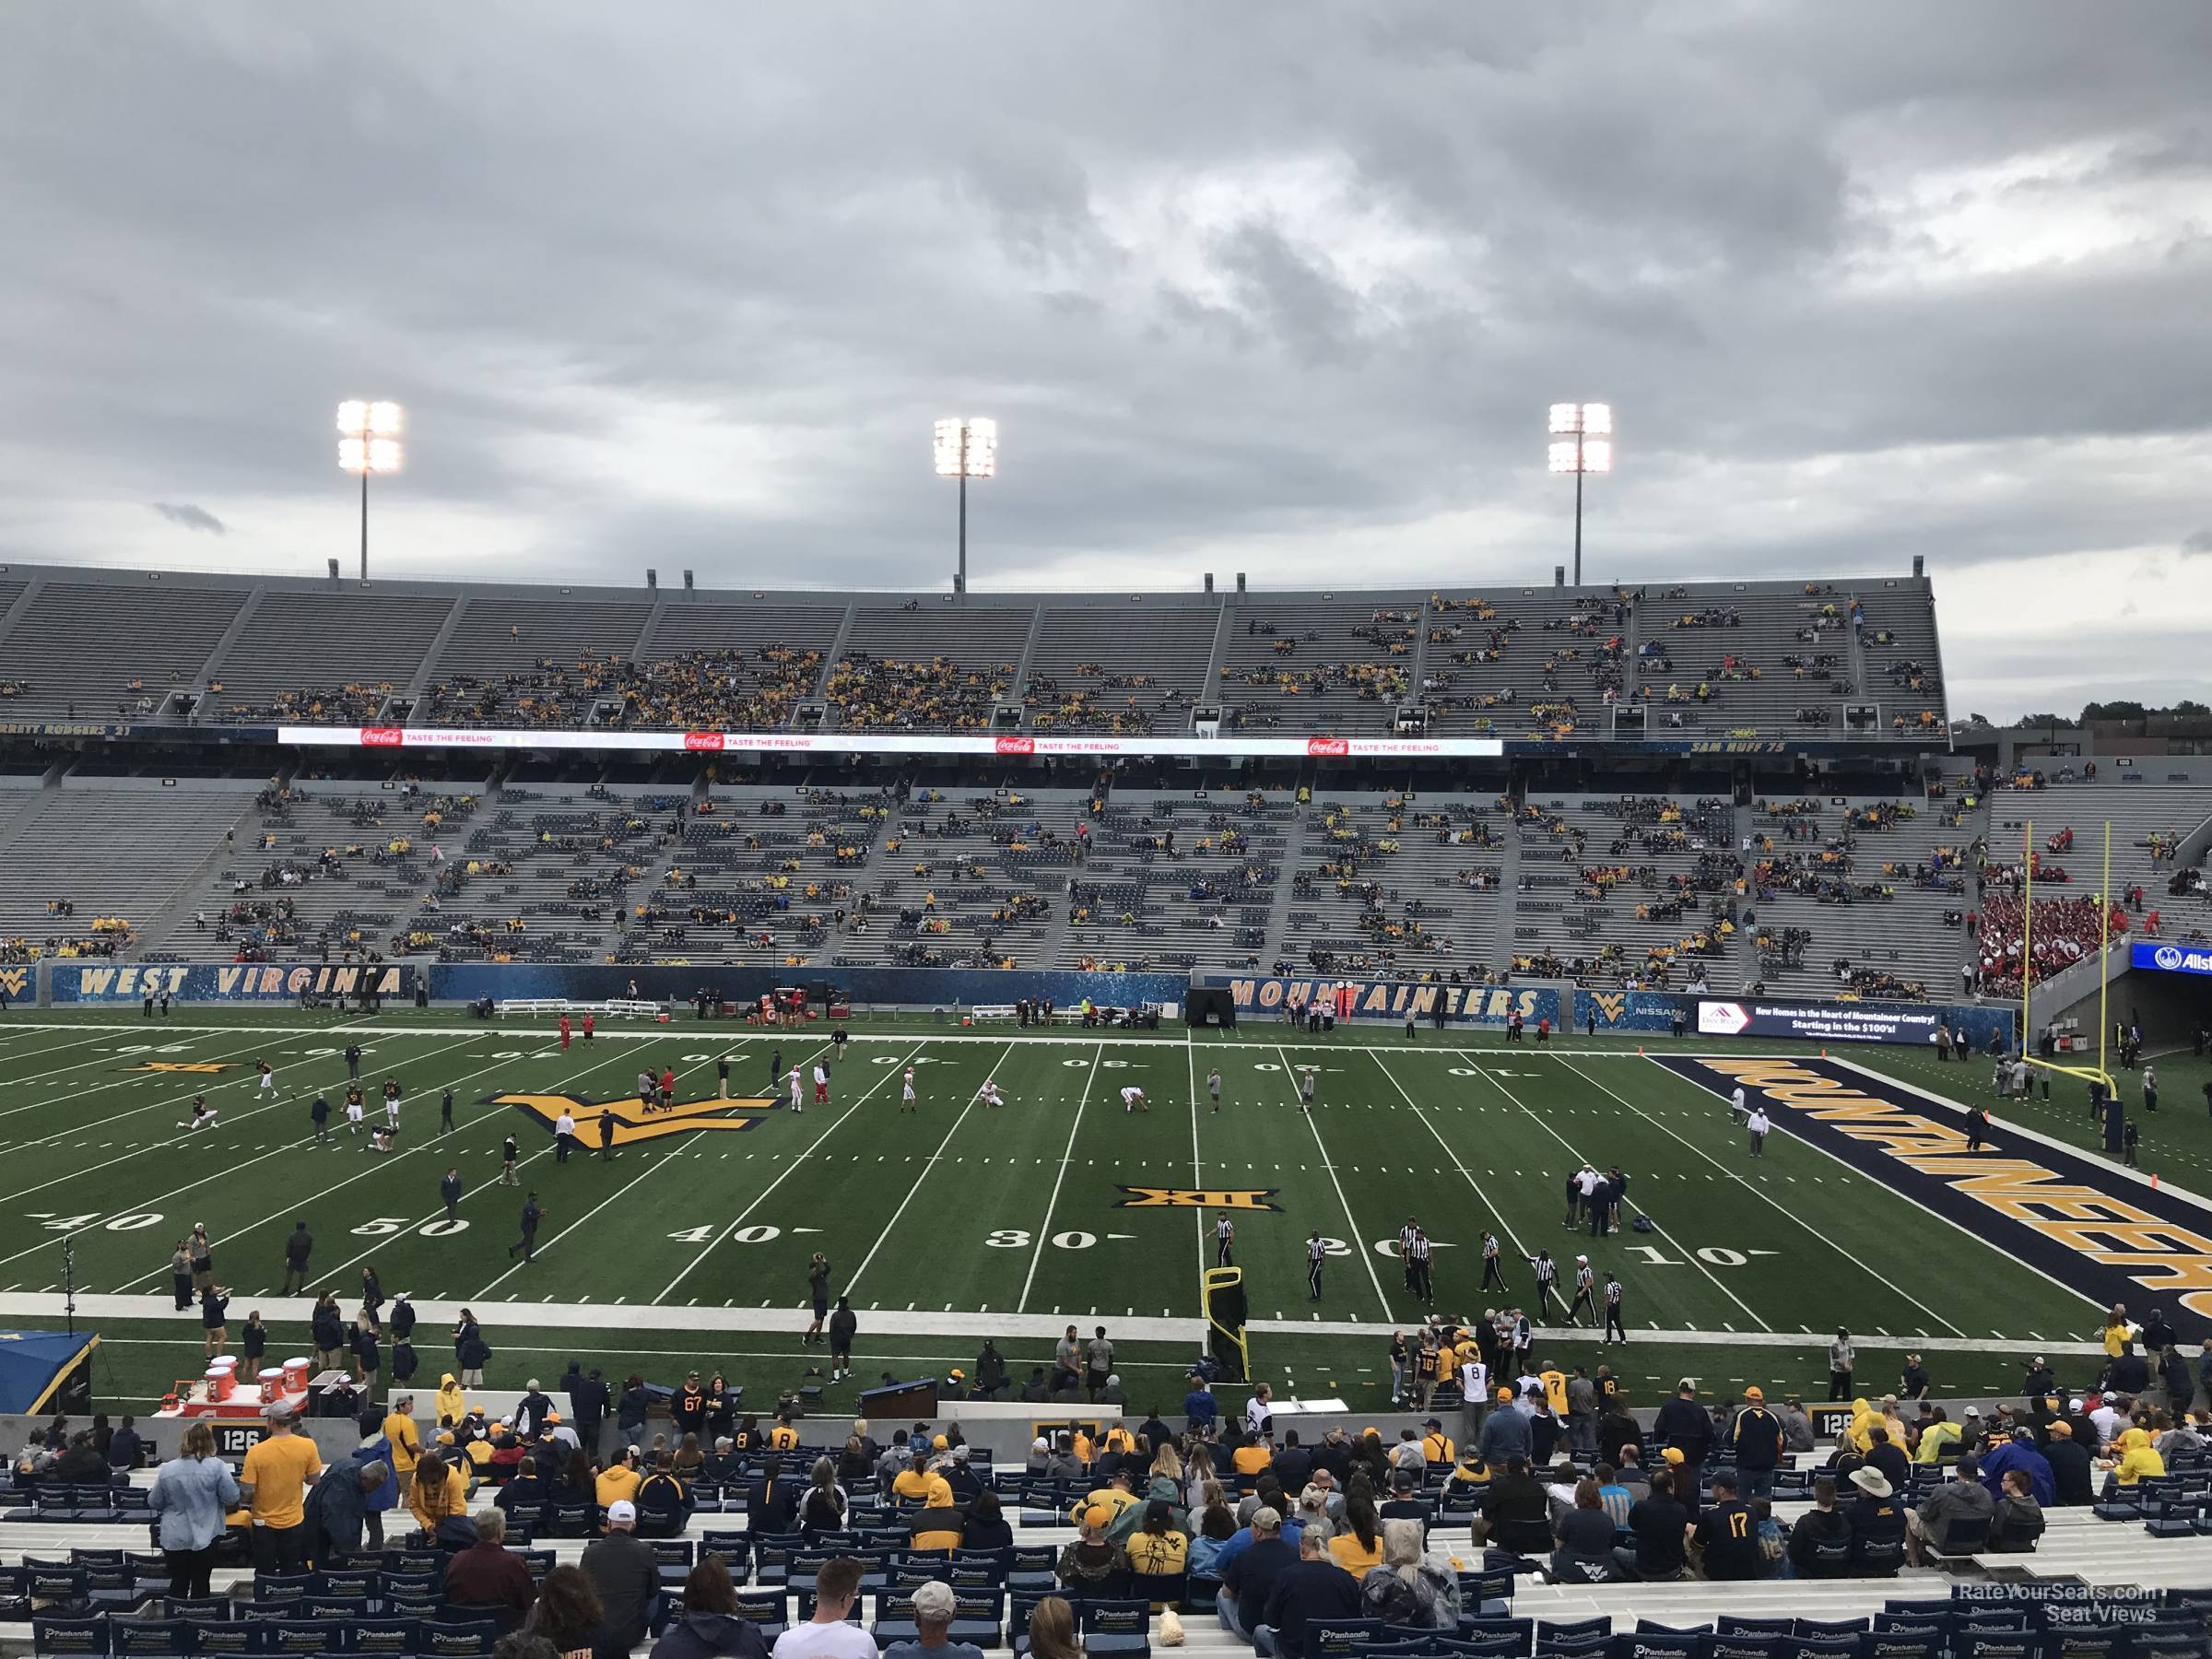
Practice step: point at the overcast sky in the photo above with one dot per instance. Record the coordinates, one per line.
(1275, 287)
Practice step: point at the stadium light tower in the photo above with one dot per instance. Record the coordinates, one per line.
(967, 447)
(1581, 441)
(369, 442)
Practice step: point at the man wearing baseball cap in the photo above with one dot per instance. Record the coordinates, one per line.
(1757, 1440)
(621, 1568)
(1505, 1432)
(934, 1606)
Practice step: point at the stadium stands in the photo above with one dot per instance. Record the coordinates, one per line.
(1525, 662)
(1796, 883)
(1810, 894)
(88, 864)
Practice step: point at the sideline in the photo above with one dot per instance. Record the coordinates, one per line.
(650, 1316)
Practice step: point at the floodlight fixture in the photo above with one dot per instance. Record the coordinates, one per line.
(369, 442)
(966, 447)
(1581, 442)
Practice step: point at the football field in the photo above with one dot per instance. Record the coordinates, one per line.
(960, 1221)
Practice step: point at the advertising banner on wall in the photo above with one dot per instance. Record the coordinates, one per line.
(1388, 999)
(1845, 1022)
(1017, 745)
(2171, 958)
(224, 982)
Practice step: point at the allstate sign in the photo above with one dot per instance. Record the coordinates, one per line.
(2172, 958)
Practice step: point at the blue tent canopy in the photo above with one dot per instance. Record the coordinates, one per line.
(34, 1365)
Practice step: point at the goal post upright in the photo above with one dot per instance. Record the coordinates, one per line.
(2101, 1071)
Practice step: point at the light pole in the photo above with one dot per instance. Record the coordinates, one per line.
(368, 442)
(1581, 441)
(967, 447)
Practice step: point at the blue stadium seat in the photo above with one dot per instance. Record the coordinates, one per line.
(231, 1639)
(452, 1639)
(1115, 1627)
(77, 1638)
(386, 1636)
(150, 1637)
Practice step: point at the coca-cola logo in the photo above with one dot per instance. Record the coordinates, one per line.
(381, 738)
(702, 740)
(1017, 746)
(1328, 745)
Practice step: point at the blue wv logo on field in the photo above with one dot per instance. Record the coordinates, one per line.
(633, 1121)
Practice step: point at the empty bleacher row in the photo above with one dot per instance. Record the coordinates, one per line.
(85, 866)
(1708, 660)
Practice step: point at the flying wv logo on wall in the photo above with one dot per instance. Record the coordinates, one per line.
(1611, 1004)
(16, 981)
(634, 1122)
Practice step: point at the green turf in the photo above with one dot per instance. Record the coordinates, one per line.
(960, 1211)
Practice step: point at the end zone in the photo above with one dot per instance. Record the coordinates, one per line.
(2100, 1233)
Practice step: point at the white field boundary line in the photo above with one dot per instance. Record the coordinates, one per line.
(796, 1163)
(376, 1166)
(1511, 1237)
(1351, 1224)
(1687, 1254)
(383, 1240)
(928, 1164)
(1949, 1221)
(1059, 1175)
(226, 1173)
(655, 1316)
(1767, 1198)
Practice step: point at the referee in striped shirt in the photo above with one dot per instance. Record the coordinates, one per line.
(1422, 1284)
(1316, 1253)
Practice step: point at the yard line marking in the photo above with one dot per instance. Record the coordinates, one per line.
(926, 1166)
(1097, 1053)
(796, 1163)
(1190, 1051)
(1767, 1199)
(1689, 1254)
(1512, 1237)
(1352, 1226)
